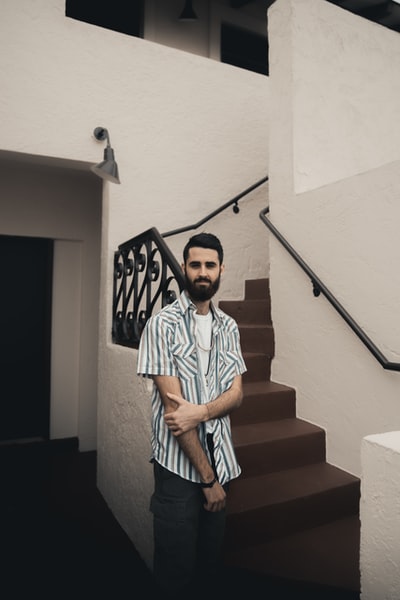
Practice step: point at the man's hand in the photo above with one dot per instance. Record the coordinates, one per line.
(215, 497)
(187, 416)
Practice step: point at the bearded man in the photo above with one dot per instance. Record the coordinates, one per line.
(191, 350)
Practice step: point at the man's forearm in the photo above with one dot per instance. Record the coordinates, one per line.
(186, 416)
(189, 441)
(190, 444)
(226, 402)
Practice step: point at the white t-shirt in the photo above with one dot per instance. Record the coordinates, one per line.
(204, 342)
(203, 338)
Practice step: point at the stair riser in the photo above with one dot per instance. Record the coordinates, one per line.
(265, 407)
(247, 311)
(271, 522)
(257, 340)
(258, 368)
(327, 555)
(256, 289)
(277, 455)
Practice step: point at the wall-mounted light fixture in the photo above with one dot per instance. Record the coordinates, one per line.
(108, 168)
(188, 13)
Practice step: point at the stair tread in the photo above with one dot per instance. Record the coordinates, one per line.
(255, 326)
(268, 431)
(264, 387)
(278, 487)
(242, 301)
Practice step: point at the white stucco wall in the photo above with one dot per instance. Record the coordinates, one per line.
(334, 189)
(338, 207)
(345, 95)
(65, 206)
(380, 517)
(189, 133)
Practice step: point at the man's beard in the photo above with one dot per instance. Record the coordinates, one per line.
(203, 293)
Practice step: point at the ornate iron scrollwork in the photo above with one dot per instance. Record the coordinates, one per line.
(146, 277)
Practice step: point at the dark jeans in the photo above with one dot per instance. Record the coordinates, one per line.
(187, 538)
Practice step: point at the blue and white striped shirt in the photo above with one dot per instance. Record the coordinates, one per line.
(168, 347)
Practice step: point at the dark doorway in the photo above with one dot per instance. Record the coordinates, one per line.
(120, 15)
(26, 266)
(243, 48)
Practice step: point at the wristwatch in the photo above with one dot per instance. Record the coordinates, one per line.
(208, 485)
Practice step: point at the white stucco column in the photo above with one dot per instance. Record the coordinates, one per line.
(380, 517)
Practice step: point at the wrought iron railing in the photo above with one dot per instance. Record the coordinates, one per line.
(320, 288)
(147, 276)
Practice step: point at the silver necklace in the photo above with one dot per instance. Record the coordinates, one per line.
(202, 347)
(197, 336)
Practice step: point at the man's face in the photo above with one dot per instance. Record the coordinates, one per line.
(202, 273)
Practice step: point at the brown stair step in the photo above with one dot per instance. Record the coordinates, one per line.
(284, 486)
(265, 400)
(258, 366)
(288, 516)
(248, 311)
(275, 445)
(256, 288)
(279, 503)
(257, 338)
(324, 555)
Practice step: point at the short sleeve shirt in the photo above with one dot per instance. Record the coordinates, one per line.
(168, 347)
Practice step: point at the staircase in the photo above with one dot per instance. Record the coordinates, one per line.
(290, 514)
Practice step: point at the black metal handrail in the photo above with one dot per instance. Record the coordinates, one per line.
(146, 275)
(234, 201)
(319, 287)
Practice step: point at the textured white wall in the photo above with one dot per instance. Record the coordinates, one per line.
(334, 189)
(380, 517)
(66, 207)
(65, 342)
(188, 133)
(355, 87)
(345, 230)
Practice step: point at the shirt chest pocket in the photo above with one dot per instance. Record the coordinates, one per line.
(227, 370)
(185, 359)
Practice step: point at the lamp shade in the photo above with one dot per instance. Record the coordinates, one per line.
(188, 13)
(108, 168)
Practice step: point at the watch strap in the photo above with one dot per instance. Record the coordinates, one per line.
(208, 485)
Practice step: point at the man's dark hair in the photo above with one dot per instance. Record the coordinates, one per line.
(204, 240)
